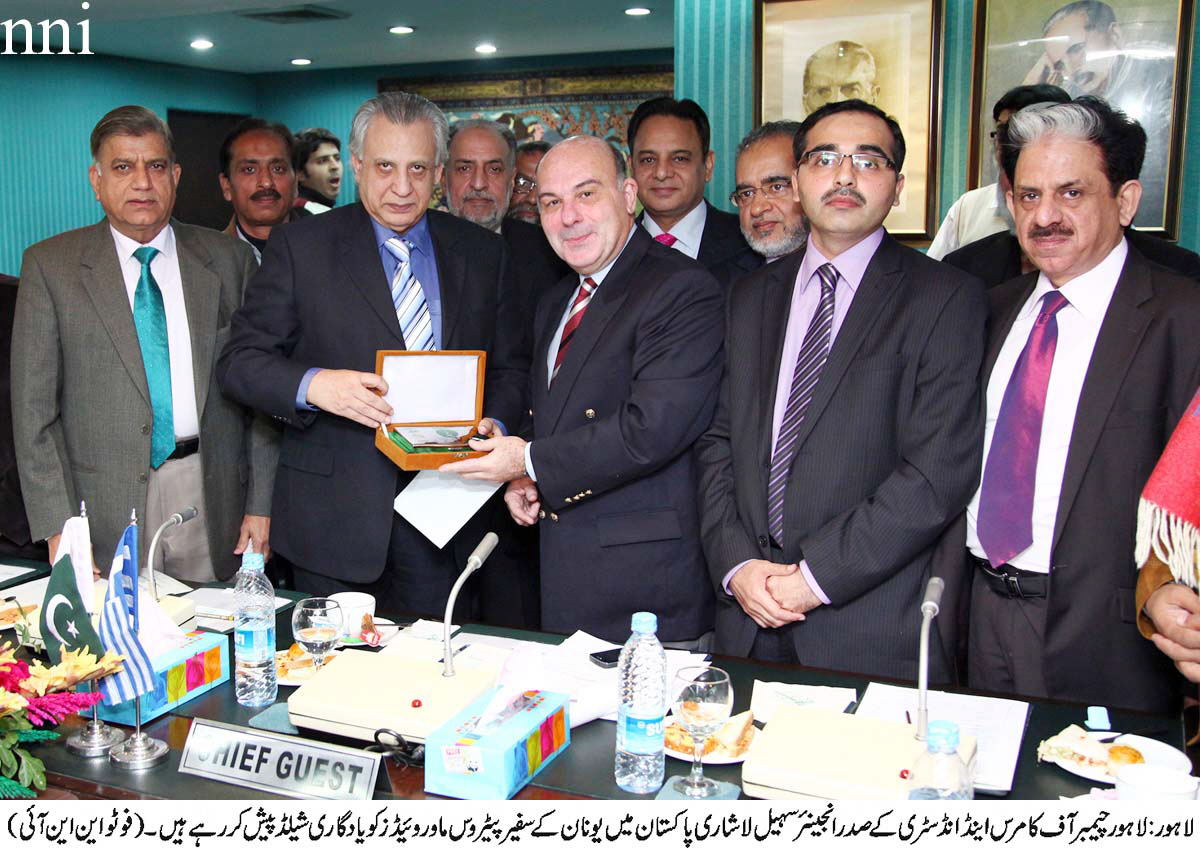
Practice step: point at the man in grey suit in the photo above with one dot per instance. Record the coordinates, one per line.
(847, 431)
(114, 400)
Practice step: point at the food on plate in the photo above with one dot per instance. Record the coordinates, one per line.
(291, 662)
(12, 612)
(1074, 745)
(731, 740)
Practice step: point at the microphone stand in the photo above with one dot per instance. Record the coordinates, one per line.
(181, 516)
(929, 610)
(474, 562)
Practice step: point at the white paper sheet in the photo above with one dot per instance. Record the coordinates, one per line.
(439, 504)
(12, 571)
(997, 724)
(769, 697)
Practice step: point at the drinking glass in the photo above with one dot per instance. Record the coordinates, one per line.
(317, 626)
(703, 700)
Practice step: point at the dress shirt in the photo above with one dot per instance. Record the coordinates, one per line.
(851, 266)
(256, 245)
(165, 268)
(975, 214)
(687, 231)
(1079, 323)
(552, 351)
(424, 266)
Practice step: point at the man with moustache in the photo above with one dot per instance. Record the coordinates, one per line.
(257, 178)
(523, 205)
(114, 349)
(847, 430)
(317, 160)
(770, 216)
(626, 367)
(386, 273)
(671, 162)
(1091, 361)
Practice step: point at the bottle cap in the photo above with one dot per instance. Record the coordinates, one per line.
(252, 560)
(645, 622)
(942, 736)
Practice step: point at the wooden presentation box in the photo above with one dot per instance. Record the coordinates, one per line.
(437, 400)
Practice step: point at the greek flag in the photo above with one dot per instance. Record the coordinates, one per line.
(119, 623)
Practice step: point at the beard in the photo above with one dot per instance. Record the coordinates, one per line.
(787, 240)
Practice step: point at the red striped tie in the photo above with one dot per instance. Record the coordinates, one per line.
(574, 317)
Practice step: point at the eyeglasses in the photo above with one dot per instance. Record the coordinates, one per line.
(862, 163)
(772, 189)
(523, 184)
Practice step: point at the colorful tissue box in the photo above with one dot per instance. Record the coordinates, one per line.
(181, 674)
(460, 762)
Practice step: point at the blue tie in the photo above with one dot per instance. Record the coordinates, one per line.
(150, 319)
(409, 300)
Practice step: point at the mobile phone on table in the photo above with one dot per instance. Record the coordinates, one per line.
(607, 658)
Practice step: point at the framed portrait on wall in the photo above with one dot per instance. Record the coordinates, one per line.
(1132, 53)
(886, 52)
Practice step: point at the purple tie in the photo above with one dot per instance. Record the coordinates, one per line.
(1005, 523)
(813, 353)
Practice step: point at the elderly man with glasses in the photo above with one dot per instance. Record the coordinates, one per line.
(847, 432)
(770, 216)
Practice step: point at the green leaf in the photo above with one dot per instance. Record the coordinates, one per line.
(32, 773)
(12, 789)
(8, 762)
(10, 738)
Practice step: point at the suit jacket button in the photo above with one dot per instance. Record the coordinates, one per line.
(587, 493)
(590, 413)
(145, 429)
(762, 540)
(553, 516)
(531, 412)
(541, 515)
(142, 478)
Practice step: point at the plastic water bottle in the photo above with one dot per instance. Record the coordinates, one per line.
(939, 774)
(642, 678)
(254, 633)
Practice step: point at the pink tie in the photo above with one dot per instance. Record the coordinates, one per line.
(666, 239)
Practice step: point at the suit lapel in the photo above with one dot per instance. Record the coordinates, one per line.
(360, 259)
(1120, 335)
(604, 304)
(202, 298)
(105, 287)
(1001, 320)
(557, 306)
(452, 276)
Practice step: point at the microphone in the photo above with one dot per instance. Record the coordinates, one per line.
(930, 607)
(474, 561)
(181, 516)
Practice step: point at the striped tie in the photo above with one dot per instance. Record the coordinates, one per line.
(574, 317)
(809, 362)
(409, 300)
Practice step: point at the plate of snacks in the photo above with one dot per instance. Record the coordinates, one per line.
(372, 632)
(11, 612)
(294, 666)
(727, 746)
(1083, 754)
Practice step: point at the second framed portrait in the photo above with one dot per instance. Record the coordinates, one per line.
(1132, 53)
(885, 52)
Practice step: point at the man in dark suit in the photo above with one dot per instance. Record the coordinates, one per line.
(1090, 363)
(671, 162)
(332, 290)
(846, 434)
(625, 372)
(14, 526)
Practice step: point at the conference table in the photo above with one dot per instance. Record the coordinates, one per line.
(583, 771)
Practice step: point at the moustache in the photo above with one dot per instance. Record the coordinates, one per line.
(265, 195)
(1036, 232)
(479, 195)
(843, 192)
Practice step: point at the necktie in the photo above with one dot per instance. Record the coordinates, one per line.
(574, 317)
(666, 239)
(150, 320)
(813, 353)
(1005, 522)
(409, 300)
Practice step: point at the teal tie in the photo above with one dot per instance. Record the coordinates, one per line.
(150, 318)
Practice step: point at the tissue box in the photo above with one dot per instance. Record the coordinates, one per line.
(461, 762)
(181, 674)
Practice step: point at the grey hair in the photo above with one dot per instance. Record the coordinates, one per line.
(504, 132)
(1099, 15)
(1069, 120)
(131, 120)
(770, 130)
(400, 108)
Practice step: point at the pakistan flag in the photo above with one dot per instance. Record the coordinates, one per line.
(63, 620)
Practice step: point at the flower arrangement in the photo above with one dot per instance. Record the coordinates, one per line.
(32, 696)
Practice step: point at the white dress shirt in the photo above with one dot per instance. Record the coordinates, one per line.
(687, 231)
(1079, 323)
(165, 268)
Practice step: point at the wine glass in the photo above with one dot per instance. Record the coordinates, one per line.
(317, 626)
(703, 700)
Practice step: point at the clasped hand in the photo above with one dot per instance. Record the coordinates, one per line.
(772, 594)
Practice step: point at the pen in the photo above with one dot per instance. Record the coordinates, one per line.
(907, 717)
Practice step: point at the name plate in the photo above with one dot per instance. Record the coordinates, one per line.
(271, 762)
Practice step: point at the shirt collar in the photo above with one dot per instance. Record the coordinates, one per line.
(164, 241)
(1088, 293)
(598, 277)
(687, 230)
(417, 236)
(851, 264)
